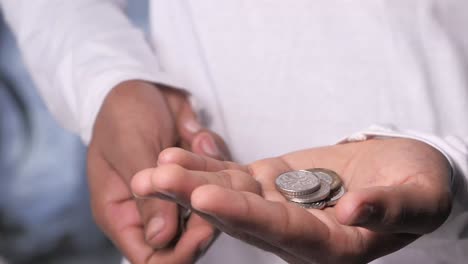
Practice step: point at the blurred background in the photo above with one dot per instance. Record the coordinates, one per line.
(44, 204)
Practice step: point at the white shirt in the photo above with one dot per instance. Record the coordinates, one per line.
(272, 77)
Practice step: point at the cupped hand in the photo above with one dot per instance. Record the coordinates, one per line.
(135, 123)
(398, 190)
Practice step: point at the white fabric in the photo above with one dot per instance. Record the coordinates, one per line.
(77, 51)
(273, 77)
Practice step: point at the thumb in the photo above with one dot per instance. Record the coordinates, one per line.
(201, 141)
(210, 144)
(407, 208)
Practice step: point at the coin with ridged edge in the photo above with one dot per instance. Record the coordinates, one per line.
(297, 183)
(328, 176)
(335, 196)
(321, 194)
(315, 205)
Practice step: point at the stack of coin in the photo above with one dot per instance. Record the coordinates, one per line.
(311, 188)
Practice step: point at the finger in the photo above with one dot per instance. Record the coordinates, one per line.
(211, 233)
(116, 212)
(190, 245)
(210, 144)
(202, 141)
(189, 248)
(128, 234)
(407, 208)
(187, 122)
(247, 238)
(176, 182)
(159, 217)
(160, 220)
(192, 161)
(277, 223)
(131, 240)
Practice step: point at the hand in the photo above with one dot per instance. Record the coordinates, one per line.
(136, 122)
(398, 190)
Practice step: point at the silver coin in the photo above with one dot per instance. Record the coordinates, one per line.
(322, 176)
(328, 176)
(316, 205)
(319, 195)
(297, 183)
(334, 197)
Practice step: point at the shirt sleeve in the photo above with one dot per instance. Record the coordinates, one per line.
(77, 51)
(454, 148)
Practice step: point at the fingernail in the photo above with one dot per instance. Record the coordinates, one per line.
(209, 147)
(364, 215)
(192, 126)
(155, 226)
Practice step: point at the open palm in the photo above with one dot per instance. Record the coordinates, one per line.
(398, 190)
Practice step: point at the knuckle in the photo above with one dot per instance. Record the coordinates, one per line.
(225, 178)
(171, 154)
(238, 180)
(262, 165)
(284, 236)
(165, 176)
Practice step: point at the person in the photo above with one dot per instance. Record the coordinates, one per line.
(378, 215)
(37, 216)
(269, 77)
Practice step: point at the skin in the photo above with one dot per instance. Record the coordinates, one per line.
(137, 121)
(398, 190)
